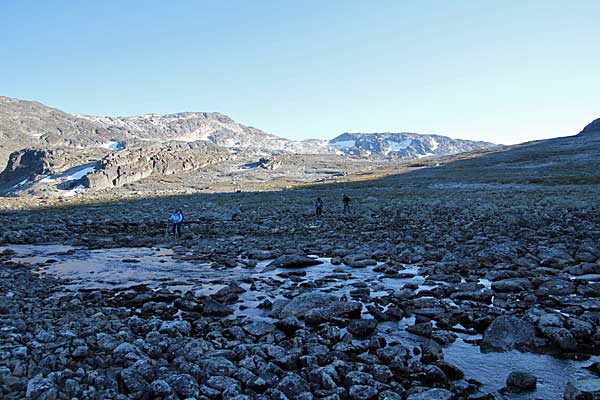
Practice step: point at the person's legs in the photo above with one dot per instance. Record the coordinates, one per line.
(174, 229)
(179, 230)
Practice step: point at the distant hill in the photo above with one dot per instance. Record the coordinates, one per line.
(404, 144)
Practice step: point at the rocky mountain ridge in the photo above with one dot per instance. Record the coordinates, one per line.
(593, 126)
(43, 145)
(404, 144)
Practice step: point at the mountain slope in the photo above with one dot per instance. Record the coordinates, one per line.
(593, 126)
(404, 144)
(29, 124)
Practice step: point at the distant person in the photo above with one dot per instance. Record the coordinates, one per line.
(319, 206)
(176, 219)
(346, 201)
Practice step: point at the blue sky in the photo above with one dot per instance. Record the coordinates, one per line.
(503, 71)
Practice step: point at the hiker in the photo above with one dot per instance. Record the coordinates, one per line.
(319, 206)
(176, 219)
(346, 201)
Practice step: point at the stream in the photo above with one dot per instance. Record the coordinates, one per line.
(82, 268)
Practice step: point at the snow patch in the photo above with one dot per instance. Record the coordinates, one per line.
(80, 174)
(24, 181)
(397, 146)
(425, 155)
(113, 145)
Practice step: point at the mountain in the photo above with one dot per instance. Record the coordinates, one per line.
(404, 144)
(43, 146)
(29, 124)
(592, 127)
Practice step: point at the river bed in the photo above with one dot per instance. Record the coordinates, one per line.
(82, 268)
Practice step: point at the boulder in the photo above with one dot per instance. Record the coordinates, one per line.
(362, 328)
(521, 381)
(508, 332)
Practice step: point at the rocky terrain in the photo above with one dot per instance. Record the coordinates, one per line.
(475, 279)
(41, 147)
(404, 145)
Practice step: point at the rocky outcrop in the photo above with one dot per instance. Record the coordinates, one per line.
(403, 145)
(28, 164)
(121, 168)
(592, 127)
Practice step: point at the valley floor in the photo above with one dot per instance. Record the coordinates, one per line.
(423, 273)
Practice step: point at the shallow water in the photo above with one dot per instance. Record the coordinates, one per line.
(159, 267)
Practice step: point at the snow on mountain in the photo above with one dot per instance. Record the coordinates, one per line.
(403, 145)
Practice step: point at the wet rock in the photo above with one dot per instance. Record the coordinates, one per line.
(293, 261)
(424, 329)
(289, 325)
(434, 376)
(362, 328)
(259, 328)
(508, 332)
(583, 389)
(555, 287)
(514, 285)
(560, 336)
(429, 394)
(304, 303)
(521, 381)
(175, 328)
(212, 308)
(431, 352)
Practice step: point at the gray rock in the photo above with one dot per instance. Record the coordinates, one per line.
(508, 332)
(212, 308)
(560, 336)
(160, 388)
(513, 285)
(362, 328)
(41, 389)
(362, 392)
(583, 389)
(174, 328)
(353, 378)
(259, 328)
(293, 385)
(293, 261)
(184, 385)
(521, 381)
(429, 394)
(133, 380)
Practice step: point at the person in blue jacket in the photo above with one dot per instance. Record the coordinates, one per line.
(176, 219)
(319, 206)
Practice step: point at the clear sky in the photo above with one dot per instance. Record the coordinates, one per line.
(503, 71)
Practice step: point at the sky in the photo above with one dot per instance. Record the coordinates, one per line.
(501, 71)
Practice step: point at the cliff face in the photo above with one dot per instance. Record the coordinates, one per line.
(129, 166)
